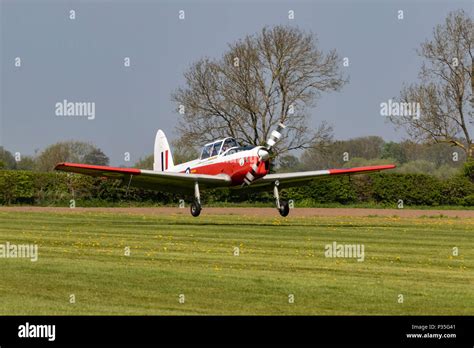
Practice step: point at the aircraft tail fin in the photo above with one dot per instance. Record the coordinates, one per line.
(162, 153)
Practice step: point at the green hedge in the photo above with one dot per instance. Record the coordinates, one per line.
(412, 189)
(25, 187)
(387, 188)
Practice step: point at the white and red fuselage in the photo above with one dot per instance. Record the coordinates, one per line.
(236, 162)
(223, 157)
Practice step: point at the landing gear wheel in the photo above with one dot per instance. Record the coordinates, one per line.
(284, 209)
(195, 209)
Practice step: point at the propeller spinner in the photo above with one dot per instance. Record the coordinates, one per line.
(264, 153)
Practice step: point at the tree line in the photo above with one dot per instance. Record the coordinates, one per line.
(385, 189)
(441, 160)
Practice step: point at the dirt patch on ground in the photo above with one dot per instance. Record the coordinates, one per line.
(298, 212)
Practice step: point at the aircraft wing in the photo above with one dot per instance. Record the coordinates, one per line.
(301, 178)
(149, 179)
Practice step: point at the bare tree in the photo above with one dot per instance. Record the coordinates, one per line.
(263, 79)
(443, 91)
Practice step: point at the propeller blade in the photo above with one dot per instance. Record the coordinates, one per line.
(275, 136)
(263, 153)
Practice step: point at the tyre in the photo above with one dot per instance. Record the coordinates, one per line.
(195, 209)
(284, 208)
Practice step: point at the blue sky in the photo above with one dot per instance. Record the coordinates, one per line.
(82, 60)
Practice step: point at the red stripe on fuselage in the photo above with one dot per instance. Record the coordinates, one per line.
(166, 159)
(231, 168)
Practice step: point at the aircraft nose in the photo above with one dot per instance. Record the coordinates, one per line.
(263, 154)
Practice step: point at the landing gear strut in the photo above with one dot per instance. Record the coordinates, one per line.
(196, 204)
(282, 206)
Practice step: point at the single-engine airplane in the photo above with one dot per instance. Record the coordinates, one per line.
(222, 163)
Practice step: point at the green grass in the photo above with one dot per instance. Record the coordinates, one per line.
(83, 254)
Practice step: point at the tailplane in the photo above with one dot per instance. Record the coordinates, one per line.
(162, 153)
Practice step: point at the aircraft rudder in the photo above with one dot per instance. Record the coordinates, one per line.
(163, 160)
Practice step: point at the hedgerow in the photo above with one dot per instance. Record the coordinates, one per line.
(37, 188)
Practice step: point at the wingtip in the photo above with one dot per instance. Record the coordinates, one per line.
(60, 164)
(387, 166)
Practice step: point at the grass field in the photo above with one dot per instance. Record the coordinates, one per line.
(83, 254)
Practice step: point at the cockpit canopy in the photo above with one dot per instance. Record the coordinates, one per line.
(218, 147)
